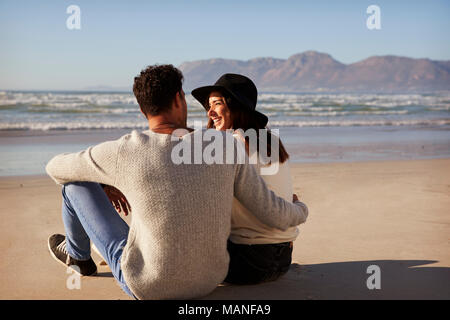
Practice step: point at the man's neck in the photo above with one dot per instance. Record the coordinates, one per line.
(161, 124)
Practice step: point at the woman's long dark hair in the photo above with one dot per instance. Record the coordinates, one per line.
(244, 120)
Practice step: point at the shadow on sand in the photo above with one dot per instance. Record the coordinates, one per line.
(400, 279)
(104, 275)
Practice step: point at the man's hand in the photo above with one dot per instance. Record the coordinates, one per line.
(117, 199)
(294, 197)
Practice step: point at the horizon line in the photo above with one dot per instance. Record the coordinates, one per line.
(109, 88)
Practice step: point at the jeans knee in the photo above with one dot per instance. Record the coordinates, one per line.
(73, 187)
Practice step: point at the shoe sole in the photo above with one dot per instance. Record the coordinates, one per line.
(65, 265)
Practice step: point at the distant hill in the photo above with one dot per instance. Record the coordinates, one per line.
(313, 71)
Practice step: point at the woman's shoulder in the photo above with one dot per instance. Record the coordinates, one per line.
(275, 172)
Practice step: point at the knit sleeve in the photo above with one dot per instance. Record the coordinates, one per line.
(95, 164)
(251, 190)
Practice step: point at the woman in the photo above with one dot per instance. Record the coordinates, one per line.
(258, 253)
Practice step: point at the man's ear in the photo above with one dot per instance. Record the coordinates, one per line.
(177, 100)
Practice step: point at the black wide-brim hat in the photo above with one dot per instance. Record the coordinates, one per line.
(239, 87)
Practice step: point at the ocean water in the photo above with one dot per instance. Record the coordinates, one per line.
(95, 110)
(35, 126)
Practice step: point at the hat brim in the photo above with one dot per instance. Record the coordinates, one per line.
(202, 94)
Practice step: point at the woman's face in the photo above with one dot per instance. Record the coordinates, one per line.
(218, 111)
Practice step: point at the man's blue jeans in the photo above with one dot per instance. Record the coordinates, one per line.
(88, 215)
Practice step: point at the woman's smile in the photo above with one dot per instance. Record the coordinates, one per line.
(216, 120)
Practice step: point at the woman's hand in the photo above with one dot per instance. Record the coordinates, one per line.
(117, 199)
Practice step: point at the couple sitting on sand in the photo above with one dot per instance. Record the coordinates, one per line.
(193, 226)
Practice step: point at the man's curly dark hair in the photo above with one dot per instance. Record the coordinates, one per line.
(156, 86)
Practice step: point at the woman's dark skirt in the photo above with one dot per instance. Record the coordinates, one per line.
(255, 263)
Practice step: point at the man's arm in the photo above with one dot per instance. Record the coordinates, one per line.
(251, 190)
(95, 164)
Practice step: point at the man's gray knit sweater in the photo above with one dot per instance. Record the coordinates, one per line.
(177, 243)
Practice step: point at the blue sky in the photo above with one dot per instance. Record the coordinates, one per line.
(119, 38)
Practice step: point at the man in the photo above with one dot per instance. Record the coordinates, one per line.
(176, 245)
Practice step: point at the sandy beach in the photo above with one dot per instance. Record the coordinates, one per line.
(393, 214)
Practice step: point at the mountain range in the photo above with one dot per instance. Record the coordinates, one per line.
(313, 71)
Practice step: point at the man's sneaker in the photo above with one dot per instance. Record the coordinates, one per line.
(57, 247)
